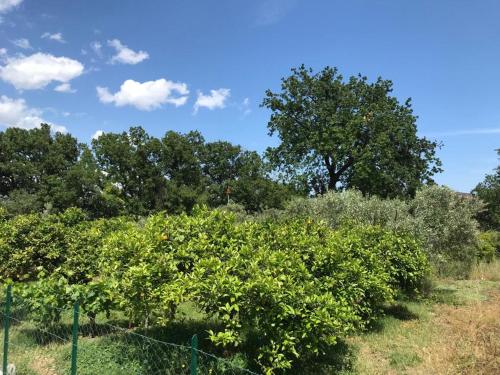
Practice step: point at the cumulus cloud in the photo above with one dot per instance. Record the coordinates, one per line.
(97, 134)
(146, 96)
(16, 113)
(216, 99)
(54, 36)
(125, 55)
(7, 5)
(22, 43)
(38, 70)
(64, 87)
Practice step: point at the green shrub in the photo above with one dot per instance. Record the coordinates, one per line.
(446, 224)
(65, 244)
(488, 246)
(30, 244)
(294, 283)
(297, 283)
(405, 262)
(351, 207)
(440, 219)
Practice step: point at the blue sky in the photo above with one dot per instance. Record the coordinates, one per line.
(183, 65)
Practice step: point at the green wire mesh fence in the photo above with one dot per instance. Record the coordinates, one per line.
(47, 340)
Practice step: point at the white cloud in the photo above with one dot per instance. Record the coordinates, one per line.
(245, 107)
(15, 113)
(38, 70)
(125, 55)
(7, 5)
(216, 99)
(54, 36)
(22, 43)
(64, 87)
(146, 96)
(96, 47)
(97, 134)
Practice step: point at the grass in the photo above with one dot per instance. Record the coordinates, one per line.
(109, 348)
(486, 271)
(453, 330)
(456, 330)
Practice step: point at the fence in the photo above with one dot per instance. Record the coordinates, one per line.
(39, 339)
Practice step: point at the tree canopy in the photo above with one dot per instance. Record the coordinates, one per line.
(130, 173)
(334, 134)
(338, 134)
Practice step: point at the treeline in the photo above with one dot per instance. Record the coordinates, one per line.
(130, 173)
(334, 134)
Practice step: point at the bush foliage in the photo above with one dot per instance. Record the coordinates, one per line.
(440, 219)
(489, 246)
(295, 284)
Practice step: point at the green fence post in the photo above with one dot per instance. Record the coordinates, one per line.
(74, 342)
(194, 355)
(6, 326)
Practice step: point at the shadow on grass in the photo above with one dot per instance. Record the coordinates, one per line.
(444, 295)
(112, 348)
(338, 359)
(397, 311)
(400, 312)
(164, 350)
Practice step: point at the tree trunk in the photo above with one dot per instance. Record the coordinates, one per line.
(335, 174)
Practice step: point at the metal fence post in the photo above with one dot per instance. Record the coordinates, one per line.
(74, 342)
(6, 326)
(194, 355)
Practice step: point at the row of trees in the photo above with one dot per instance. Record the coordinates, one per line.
(129, 173)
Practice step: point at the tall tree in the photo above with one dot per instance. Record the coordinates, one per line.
(130, 160)
(220, 167)
(240, 176)
(339, 134)
(489, 192)
(33, 167)
(181, 167)
(91, 190)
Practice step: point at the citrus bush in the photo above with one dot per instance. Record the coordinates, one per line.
(38, 245)
(30, 244)
(56, 257)
(297, 284)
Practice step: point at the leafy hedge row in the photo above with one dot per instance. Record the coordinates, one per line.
(296, 284)
(443, 221)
